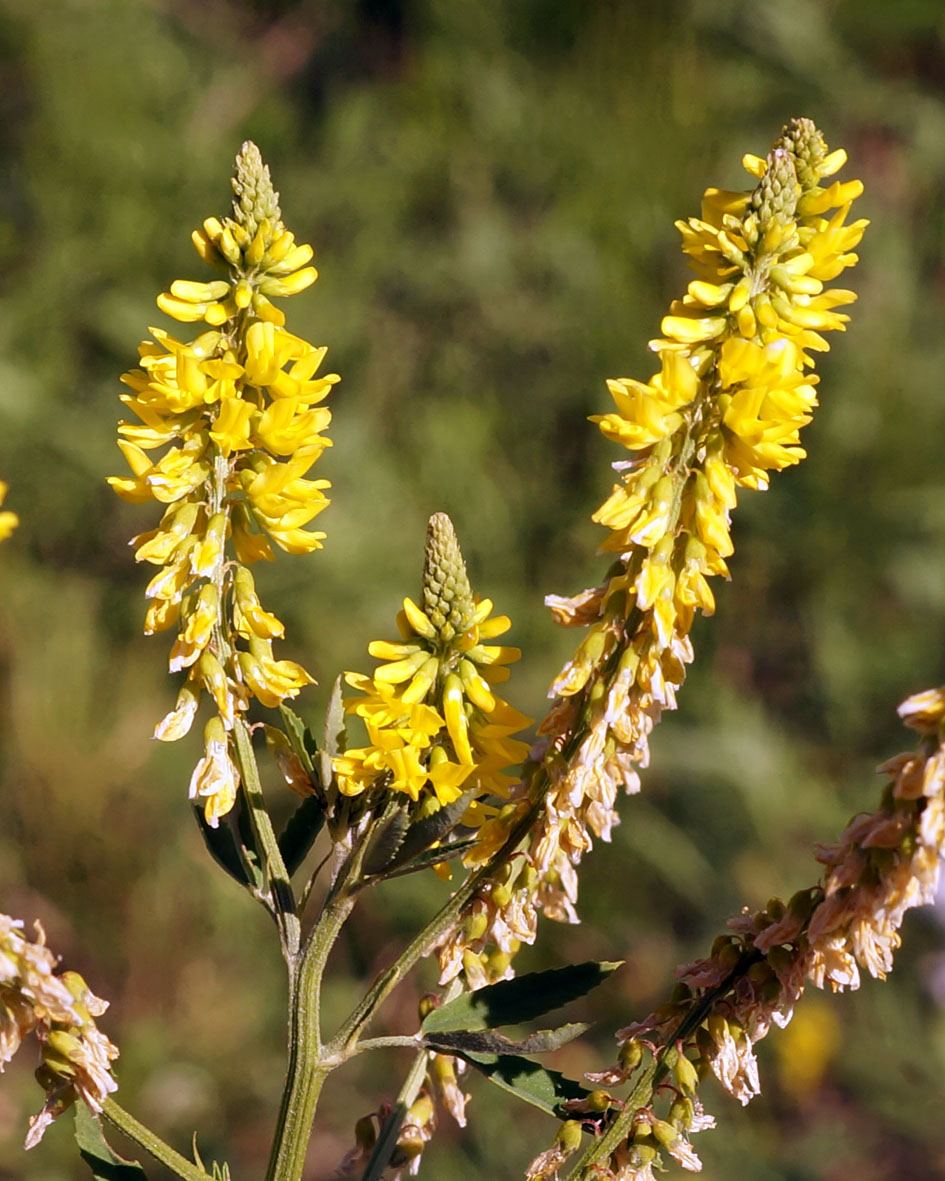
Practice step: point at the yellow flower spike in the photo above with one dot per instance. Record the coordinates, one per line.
(225, 437)
(431, 697)
(733, 391)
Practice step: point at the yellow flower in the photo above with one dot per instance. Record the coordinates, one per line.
(234, 419)
(434, 723)
(8, 520)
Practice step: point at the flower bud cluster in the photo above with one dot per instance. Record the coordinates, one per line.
(884, 863)
(436, 727)
(60, 1010)
(236, 420)
(725, 410)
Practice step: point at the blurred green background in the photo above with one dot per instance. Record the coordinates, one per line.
(490, 188)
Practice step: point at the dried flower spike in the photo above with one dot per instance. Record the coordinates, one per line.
(60, 1011)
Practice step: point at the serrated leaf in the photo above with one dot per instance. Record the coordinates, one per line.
(432, 828)
(223, 844)
(512, 1001)
(385, 841)
(105, 1164)
(299, 834)
(544, 1089)
(545, 1041)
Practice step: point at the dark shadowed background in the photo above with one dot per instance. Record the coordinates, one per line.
(490, 188)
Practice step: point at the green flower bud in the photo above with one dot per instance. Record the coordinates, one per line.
(447, 595)
(569, 1135)
(255, 198)
(685, 1074)
(775, 197)
(806, 145)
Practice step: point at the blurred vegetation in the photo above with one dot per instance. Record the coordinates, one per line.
(491, 190)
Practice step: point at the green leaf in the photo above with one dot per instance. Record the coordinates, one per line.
(300, 739)
(224, 845)
(104, 1163)
(432, 828)
(464, 1041)
(385, 1144)
(334, 721)
(386, 840)
(299, 834)
(545, 1089)
(430, 857)
(512, 1001)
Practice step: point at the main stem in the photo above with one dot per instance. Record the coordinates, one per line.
(309, 1061)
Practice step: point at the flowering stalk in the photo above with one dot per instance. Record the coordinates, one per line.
(235, 414)
(885, 863)
(734, 389)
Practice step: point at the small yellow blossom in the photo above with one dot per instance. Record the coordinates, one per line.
(228, 427)
(8, 520)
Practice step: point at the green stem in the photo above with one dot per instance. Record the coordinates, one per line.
(309, 1062)
(281, 899)
(150, 1142)
(438, 925)
(382, 1043)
